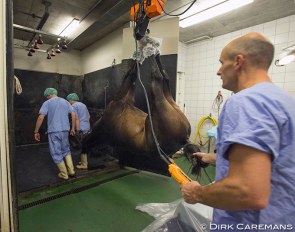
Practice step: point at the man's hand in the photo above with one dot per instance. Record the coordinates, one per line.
(37, 136)
(72, 132)
(190, 192)
(37, 127)
(209, 158)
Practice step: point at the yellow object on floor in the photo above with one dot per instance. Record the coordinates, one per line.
(63, 173)
(84, 163)
(70, 165)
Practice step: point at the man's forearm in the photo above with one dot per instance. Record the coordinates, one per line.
(73, 120)
(38, 123)
(77, 124)
(226, 194)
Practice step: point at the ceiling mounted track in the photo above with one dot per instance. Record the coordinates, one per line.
(56, 48)
(23, 28)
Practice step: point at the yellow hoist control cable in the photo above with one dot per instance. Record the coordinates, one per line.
(200, 124)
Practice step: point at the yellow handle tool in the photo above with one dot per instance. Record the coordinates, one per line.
(178, 174)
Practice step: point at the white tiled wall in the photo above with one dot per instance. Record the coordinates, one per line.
(200, 62)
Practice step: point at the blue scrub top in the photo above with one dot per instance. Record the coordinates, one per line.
(83, 115)
(262, 117)
(57, 110)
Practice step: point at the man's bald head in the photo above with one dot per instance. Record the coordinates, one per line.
(257, 49)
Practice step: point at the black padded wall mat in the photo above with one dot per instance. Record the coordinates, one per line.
(33, 86)
(99, 89)
(67, 84)
(27, 104)
(100, 86)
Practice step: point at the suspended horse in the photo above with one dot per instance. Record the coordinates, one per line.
(138, 136)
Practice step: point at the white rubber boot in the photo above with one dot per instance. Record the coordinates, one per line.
(63, 173)
(70, 165)
(84, 163)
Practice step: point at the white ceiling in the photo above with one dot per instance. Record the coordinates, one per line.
(100, 17)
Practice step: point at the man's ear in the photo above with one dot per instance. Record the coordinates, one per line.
(239, 61)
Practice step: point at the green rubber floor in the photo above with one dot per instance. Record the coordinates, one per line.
(107, 205)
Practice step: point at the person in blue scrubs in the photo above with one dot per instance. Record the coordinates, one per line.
(82, 124)
(255, 161)
(57, 111)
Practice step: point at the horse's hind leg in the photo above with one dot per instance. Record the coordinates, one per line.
(157, 92)
(162, 113)
(166, 86)
(168, 95)
(170, 125)
(126, 90)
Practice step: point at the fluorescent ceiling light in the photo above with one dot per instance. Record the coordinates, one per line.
(70, 28)
(222, 7)
(200, 6)
(286, 60)
(287, 56)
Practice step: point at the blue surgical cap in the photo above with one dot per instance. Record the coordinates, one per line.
(73, 97)
(50, 91)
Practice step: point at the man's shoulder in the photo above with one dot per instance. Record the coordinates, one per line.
(80, 104)
(59, 101)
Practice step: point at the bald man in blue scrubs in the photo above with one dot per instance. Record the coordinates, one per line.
(255, 161)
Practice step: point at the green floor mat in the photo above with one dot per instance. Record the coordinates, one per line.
(107, 207)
